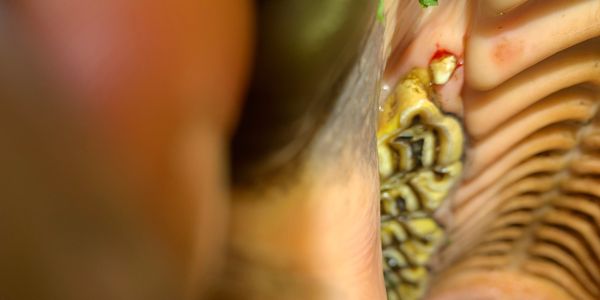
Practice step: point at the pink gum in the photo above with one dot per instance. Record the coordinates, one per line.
(434, 28)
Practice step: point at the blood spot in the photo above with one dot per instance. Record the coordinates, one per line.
(441, 52)
(507, 50)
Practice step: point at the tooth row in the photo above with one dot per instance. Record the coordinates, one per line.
(420, 150)
(422, 190)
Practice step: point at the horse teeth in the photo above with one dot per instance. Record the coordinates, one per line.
(420, 150)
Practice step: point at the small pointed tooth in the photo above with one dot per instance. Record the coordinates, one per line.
(442, 69)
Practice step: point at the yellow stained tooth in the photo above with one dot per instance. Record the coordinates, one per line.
(442, 68)
(413, 274)
(423, 108)
(420, 150)
(411, 291)
(416, 252)
(411, 96)
(451, 141)
(422, 227)
(392, 277)
(406, 161)
(428, 152)
(388, 205)
(392, 296)
(391, 230)
(401, 194)
(386, 161)
(434, 188)
(429, 191)
(405, 144)
(394, 258)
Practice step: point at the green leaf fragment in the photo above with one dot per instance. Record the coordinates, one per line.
(381, 11)
(428, 3)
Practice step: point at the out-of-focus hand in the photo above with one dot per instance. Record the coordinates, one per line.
(115, 118)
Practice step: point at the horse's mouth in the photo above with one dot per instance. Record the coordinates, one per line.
(526, 214)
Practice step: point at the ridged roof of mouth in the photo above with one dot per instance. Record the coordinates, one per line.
(527, 213)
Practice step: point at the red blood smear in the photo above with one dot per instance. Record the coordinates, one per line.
(442, 53)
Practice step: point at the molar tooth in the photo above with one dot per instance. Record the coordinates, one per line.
(414, 274)
(442, 68)
(416, 252)
(424, 108)
(394, 258)
(450, 141)
(423, 227)
(392, 229)
(433, 190)
(403, 192)
(409, 291)
(392, 278)
(386, 160)
(406, 157)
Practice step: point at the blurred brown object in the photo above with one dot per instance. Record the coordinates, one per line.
(112, 181)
